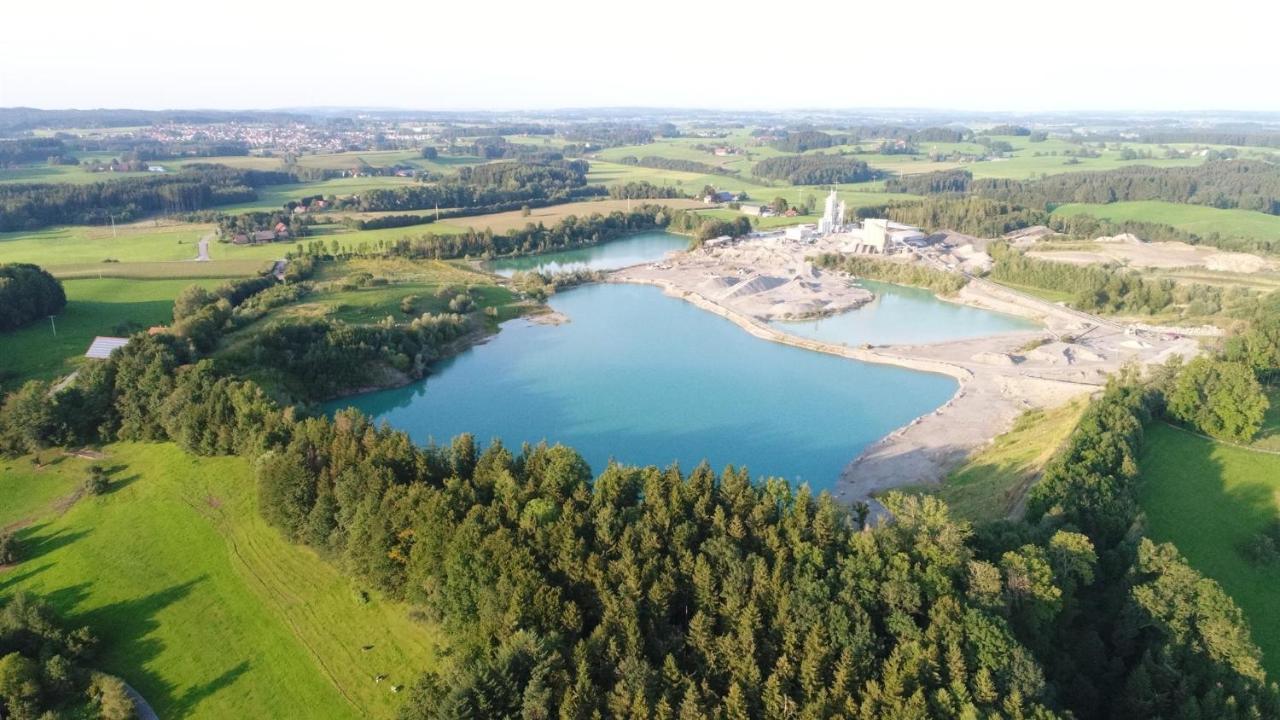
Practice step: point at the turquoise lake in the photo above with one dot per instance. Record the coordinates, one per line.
(647, 379)
(907, 315)
(631, 250)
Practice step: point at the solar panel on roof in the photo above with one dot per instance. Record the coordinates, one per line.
(102, 346)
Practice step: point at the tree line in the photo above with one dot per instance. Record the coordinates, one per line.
(483, 185)
(950, 209)
(30, 206)
(873, 268)
(644, 190)
(815, 169)
(45, 667)
(28, 293)
(1243, 184)
(1114, 289)
(666, 163)
(970, 215)
(803, 140)
(571, 232)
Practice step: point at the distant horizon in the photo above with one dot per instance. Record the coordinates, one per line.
(656, 108)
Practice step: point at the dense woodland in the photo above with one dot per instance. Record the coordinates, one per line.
(815, 169)
(30, 206)
(1244, 184)
(1117, 290)
(970, 215)
(28, 293)
(484, 185)
(45, 668)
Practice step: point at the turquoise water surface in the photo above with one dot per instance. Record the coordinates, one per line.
(900, 314)
(647, 379)
(620, 253)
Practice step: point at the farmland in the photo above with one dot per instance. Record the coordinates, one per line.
(1210, 499)
(138, 242)
(200, 605)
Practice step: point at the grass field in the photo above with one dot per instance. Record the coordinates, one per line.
(1198, 219)
(374, 303)
(608, 173)
(1042, 293)
(149, 241)
(94, 307)
(1208, 499)
(993, 482)
(200, 605)
(405, 277)
(74, 174)
(1269, 437)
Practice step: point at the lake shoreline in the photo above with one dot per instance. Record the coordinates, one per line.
(998, 379)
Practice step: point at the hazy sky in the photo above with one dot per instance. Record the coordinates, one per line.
(1027, 55)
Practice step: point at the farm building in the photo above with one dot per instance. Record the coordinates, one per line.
(720, 196)
(103, 345)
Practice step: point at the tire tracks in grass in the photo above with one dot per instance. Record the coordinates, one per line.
(280, 598)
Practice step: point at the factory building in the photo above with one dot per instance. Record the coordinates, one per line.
(833, 215)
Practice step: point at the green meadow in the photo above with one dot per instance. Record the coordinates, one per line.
(112, 306)
(1199, 219)
(1208, 499)
(136, 242)
(199, 605)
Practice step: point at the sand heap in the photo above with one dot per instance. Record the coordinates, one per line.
(1128, 249)
(1129, 238)
(1029, 236)
(767, 281)
(1237, 262)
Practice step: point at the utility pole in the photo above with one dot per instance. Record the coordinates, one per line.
(113, 224)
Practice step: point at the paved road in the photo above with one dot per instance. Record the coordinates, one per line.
(140, 705)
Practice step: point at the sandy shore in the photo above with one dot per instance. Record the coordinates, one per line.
(999, 377)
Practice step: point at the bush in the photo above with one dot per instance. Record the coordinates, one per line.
(96, 483)
(1264, 547)
(8, 548)
(113, 701)
(461, 303)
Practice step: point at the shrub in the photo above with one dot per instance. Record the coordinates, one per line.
(8, 548)
(96, 483)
